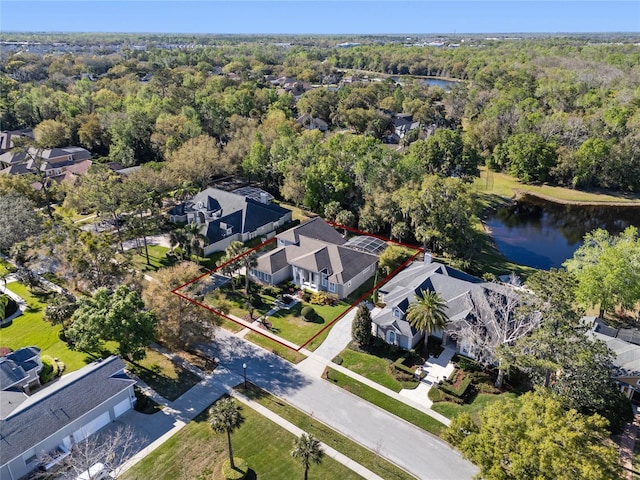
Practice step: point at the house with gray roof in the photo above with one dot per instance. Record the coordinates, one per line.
(20, 369)
(315, 257)
(38, 431)
(459, 290)
(225, 217)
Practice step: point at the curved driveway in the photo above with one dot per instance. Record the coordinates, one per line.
(420, 453)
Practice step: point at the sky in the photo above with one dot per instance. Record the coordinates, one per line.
(321, 17)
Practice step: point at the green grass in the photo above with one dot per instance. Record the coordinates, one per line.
(391, 405)
(167, 378)
(481, 401)
(503, 185)
(196, 452)
(157, 258)
(5, 268)
(341, 443)
(31, 329)
(372, 367)
(275, 347)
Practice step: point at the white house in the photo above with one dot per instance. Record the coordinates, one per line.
(44, 426)
(318, 258)
(231, 216)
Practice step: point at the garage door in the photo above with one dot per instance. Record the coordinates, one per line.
(91, 427)
(122, 407)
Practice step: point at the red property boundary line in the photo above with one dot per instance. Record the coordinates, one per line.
(418, 250)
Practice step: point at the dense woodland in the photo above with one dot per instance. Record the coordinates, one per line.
(559, 110)
(193, 109)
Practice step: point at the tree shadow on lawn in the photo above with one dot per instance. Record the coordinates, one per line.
(167, 387)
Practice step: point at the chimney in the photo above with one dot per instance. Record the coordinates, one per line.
(264, 198)
(428, 258)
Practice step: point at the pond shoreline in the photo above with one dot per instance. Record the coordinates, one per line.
(521, 193)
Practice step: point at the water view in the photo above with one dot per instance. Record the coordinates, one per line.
(543, 235)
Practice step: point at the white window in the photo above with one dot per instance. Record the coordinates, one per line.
(332, 287)
(267, 278)
(397, 313)
(324, 280)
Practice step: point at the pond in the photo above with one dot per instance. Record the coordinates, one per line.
(432, 81)
(543, 235)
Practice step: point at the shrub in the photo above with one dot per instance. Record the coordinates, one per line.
(50, 369)
(239, 473)
(306, 296)
(337, 360)
(271, 291)
(308, 313)
(467, 364)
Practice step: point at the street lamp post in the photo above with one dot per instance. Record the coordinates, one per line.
(244, 369)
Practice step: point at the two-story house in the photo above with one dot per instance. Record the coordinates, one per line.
(318, 258)
(225, 217)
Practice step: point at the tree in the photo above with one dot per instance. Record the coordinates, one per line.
(197, 161)
(244, 259)
(427, 313)
(4, 302)
(18, 220)
(607, 269)
(361, 327)
(51, 134)
(392, 257)
(529, 157)
(180, 323)
(112, 447)
(534, 436)
(61, 308)
(119, 316)
(225, 417)
(494, 324)
(307, 449)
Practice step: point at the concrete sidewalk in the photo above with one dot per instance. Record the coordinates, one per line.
(329, 451)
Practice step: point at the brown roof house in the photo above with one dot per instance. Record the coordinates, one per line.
(316, 257)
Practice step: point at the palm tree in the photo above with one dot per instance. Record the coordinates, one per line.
(427, 313)
(307, 448)
(224, 417)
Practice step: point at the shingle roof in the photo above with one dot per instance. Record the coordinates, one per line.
(10, 373)
(316, 229)
(458, 289)
(53, 407)
(273, 261)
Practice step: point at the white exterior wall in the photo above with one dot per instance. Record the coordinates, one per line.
(17, 467)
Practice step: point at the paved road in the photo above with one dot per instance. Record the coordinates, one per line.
(420, 453)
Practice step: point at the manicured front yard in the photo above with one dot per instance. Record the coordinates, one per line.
(402, 410)
(332, 438)
(375, 368)
(31, 329)
(482, 400)
(196, 452)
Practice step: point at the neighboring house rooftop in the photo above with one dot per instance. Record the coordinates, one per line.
(25, 423)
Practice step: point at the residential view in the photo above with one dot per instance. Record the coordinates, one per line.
(317, 249)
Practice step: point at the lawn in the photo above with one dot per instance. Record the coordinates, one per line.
(341, 443)
(482, 400)
(275, 347)
(167, 378)
(31, 329)
(157, 258)
(375, 368)
(391, 405)
(5, 268)
(503, 185)
(196, 452)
